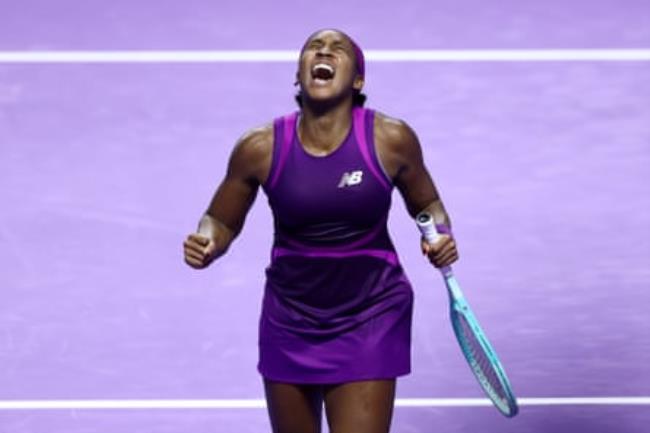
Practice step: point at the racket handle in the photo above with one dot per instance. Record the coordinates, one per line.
(426, 224)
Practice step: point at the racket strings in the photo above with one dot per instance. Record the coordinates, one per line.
(480, 361)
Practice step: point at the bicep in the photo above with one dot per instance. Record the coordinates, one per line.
(236, 193)
(411, 177)
(231, 202)
(416, 186)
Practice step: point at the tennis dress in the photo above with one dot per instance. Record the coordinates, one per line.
(337, 306)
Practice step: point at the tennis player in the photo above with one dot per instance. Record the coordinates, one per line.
(335, 326)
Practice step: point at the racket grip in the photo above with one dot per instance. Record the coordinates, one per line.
(431, 233)
(424, 221)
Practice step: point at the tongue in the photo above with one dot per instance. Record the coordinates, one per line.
(322, 74)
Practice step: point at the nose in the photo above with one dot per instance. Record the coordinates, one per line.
(324, 50)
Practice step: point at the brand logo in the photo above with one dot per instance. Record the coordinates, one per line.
(350, 179)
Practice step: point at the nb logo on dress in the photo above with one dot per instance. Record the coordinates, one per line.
(350, 179)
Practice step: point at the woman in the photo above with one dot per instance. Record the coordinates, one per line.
(336, 318)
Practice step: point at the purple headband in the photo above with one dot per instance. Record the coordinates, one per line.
(358, 53)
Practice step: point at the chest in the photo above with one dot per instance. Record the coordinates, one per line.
(337, 187)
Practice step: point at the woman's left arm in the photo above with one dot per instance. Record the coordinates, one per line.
(401, 154)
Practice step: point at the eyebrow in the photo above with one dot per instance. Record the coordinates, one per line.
(343, 42)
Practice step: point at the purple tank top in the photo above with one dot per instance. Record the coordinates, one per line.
(331, 204)
(327, 209)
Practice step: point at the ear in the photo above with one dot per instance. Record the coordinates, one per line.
(358, 83)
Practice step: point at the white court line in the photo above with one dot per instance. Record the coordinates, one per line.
(260, 403)
(227, 56)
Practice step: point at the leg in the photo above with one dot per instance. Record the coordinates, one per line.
(294, 408)
(360, 407)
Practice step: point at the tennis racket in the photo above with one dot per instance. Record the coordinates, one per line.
(477, 349)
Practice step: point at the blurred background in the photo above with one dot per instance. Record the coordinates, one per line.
(105, 167)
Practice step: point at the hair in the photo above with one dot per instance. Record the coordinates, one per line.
(358, 99)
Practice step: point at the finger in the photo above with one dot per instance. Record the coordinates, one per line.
(189, 254)
(210, 248)
(440, 244)
(452, 259)
(199, 239)
(440, 250)
(443, 257)
(197, 264)
(446, 249)
(193, 246)
(446, 259)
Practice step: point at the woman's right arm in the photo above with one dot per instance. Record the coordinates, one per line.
(248, 168)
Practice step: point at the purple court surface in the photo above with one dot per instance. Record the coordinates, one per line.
(106, 166)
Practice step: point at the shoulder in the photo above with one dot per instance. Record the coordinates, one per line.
(255, 143)
(252, 154)
(394, 136)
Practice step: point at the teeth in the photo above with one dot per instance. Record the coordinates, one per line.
(324, 66)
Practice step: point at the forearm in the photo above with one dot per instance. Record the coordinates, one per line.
(440, 216)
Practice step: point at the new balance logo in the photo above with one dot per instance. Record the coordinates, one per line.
(350, 179)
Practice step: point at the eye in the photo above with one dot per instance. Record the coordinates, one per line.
(314, 45)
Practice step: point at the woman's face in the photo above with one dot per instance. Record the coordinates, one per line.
(327, 69)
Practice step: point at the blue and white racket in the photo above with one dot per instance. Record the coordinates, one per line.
(477, 349)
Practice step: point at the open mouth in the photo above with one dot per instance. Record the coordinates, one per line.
(322, 73)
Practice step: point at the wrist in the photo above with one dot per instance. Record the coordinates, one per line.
(444, 229)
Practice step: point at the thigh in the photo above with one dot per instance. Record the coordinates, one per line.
(294, 408)
(360, 407)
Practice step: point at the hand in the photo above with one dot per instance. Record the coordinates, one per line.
(199, 250)
(442, 253)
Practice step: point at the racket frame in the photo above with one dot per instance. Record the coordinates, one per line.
(459, 308)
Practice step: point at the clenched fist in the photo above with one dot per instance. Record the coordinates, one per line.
(441, 253)
(199, 250)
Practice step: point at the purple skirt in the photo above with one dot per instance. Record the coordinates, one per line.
(334, 321)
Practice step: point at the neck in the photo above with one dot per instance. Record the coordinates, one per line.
(322, 131)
